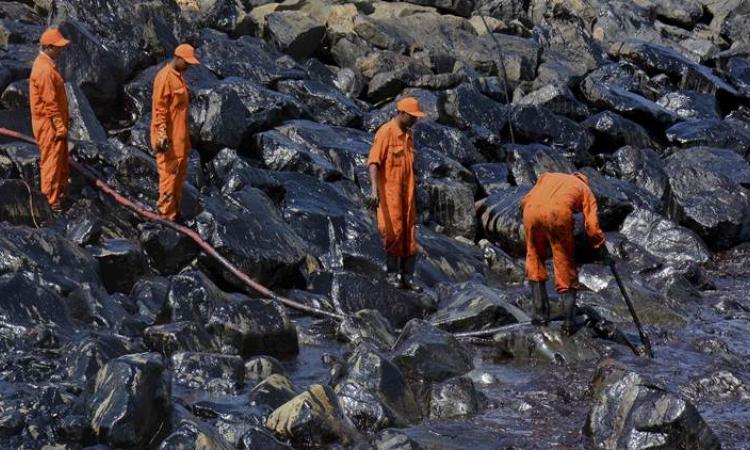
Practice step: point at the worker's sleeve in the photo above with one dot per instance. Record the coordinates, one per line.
(50, 105)
(378, 150)
(160, 101)
(591, 219)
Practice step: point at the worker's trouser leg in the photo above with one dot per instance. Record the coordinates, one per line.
(172, 174)
(536, 251)
(563, 247)
(54, 168)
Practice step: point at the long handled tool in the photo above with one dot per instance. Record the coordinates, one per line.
(143, 212)
(644, 339)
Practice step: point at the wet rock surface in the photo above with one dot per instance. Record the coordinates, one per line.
(647, 98)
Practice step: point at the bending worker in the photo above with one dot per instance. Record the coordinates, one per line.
(170, 136)
(49, 117)
(391, 168)
(548, 222)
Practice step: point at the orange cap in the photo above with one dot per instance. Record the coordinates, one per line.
(410, 106)
(186, 52)
(52, 36)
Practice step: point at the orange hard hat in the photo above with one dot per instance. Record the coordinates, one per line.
(186, 52)
(410, 106)
(52, 36)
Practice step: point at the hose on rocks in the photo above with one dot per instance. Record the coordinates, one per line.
(185, 231)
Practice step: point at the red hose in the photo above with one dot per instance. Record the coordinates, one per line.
(140, 210)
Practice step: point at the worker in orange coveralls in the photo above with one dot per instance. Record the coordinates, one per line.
(49, 117)
(170, 137)
(391, 168)
(548, 221)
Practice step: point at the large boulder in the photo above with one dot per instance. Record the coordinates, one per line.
(500, 217)
(455, 398)
(346, 148)
(246, 57)
(228, 16)
(642, 167)
(632, 412)
(706, 195)
(274, 391)
(121, 263)
(451, 205)
(191, 434)
(473, 306)
(56, 263)
(168, 251)
(192, 296)
(374, 394)
(254, 327)
(612, 131)
(690, 105)
(246, 228)
(656, 58)
(617, 198)
(469, 109)
(130, 400)
(538, 124)
(313, 418)
(280, 153)
(678, 246)
(178, 337)
(86, 357)
(626, 103)
(491, 177)
(228, 112)
(367, 325)
(427, 354)
(710, 133)
(325, 103)
(323, 213)
(449, 141)
(208, 371)
(352, 292)
(529, 162)
(528, 342)
(20, 205)
(558, 99)
(448, 260)
(295, 32)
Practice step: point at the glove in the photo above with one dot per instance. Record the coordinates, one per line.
(605, 256)
(373, 201)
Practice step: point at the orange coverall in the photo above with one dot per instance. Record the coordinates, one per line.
(49, 121)
(169, 118)
(393, 153)
(548, 221)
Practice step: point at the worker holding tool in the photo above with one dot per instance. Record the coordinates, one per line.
(391, 168)
(170, 136)
(49, 117)
(548, 222)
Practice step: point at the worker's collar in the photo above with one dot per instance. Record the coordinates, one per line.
(173, 70)
(48, 58)
(400, 130)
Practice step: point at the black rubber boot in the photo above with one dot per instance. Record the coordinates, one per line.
(541, 303)
(392, 266)
(569, 326)
(409, 266)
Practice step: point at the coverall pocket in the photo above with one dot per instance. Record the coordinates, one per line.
(180, 97)
(396, 155)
